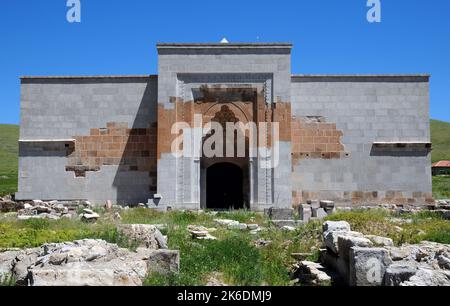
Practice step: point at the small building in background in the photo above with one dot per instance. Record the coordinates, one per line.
(441, 167)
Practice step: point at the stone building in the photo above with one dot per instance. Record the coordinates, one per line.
(349, 138)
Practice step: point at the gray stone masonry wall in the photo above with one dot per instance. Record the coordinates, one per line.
(367, 109)
(61, 108)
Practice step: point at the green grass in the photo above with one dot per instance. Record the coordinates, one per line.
(36, 232)
(424, 226)
(441, 187)
(233, 255)
(9, 136)
(440, 137)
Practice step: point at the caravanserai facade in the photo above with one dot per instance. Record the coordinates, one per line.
(348, 138)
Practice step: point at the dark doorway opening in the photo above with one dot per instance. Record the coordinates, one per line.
(224, 187)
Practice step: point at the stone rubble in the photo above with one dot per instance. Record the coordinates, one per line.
(367, 260)
(86, 262)
(53, 210)
(145, 235)
(201, 232)
(310, 274)
(236, 225)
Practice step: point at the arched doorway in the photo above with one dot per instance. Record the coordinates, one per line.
(224, 186)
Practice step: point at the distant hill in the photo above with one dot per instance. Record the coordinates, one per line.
(9, 150)
(440, 136)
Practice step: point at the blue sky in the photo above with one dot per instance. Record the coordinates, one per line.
(119, 37)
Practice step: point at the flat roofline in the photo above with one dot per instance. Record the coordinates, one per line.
(380, 78)
(276, 45)
(47, 140)
(359, 75)
(90, 77)
(318, 76)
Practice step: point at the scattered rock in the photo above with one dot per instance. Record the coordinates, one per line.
(225, 222)
(201, 232)
(336, 226)
(163, 261)
(117, 217)
(398, 273)
(238, 226)
(427, 277)
(311, 274)
(288, 228)
(90, 217)
(86, 263)
(444, 262)
(252, 227)
(261, 243)
(147, 235)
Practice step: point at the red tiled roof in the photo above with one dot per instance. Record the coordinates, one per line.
(442, 163)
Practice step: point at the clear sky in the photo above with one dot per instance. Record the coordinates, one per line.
(119, 37)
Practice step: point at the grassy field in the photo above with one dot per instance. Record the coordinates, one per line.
(441, 187)
(233, 258)
(440, 136)
(9, 136)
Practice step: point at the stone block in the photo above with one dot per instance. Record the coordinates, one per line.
(331, 226)
(380, 241)
(280, 213)
(164, 261)
(367, 266)
(319, 213)
(331, 239)
(305, 212)
(398, 273)
(346, 242)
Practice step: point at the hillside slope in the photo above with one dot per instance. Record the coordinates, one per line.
(440, 136)
(9, 150)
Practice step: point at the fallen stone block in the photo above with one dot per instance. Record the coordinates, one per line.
(90, 262)
(313, 203)
(146, 235)
(331, 239)
(328, 206)
(311, 274)
(319, 213)
(398, 273)
(164, 261)
(305, 212)
(367, 266)
(380, 241)
(428, 278)
(341, 226)
(346, 242)
(6, 263)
